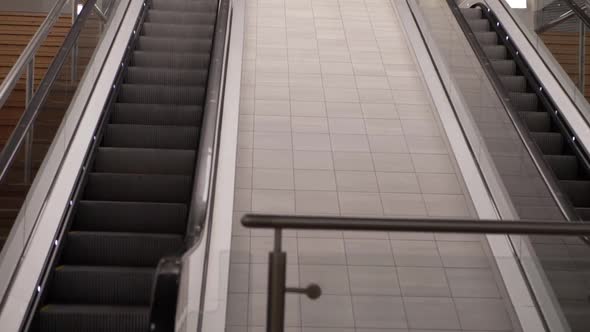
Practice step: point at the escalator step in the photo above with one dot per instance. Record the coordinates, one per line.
(119, 249)
(584, 213)
(471, 13)
(171, 60)
(479, 25)
(536, 121)
(177, 30)
(487, 38)
(524, 102)
(144, 161)
(496, 52)
(565, 167)
(577, 191)
(101, 285)
(549, 143)
(154, 137)
(143, 75)
(514, 83)
(171, 17)
(157, 115)
(88, 318)
(138, 187)
(184, 6)
(168, 44)
(131, 217)
(504, 67)
(161, 94)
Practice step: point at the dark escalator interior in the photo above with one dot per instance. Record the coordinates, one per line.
(134, 206)
(553, 139)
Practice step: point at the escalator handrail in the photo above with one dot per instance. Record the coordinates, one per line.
(20, 132)
(204, 170)
(29, 52)
(560, 198)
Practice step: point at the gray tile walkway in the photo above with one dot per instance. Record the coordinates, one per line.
(335, 120)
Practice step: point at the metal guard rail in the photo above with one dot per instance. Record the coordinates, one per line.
(19, 134)
(277, 289)
(28, 54)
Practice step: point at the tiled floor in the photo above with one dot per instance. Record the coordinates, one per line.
(335, 120)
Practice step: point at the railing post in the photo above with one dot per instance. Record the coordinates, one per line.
(277, 270)
(582, 57)
(29, 92)
(74, 51)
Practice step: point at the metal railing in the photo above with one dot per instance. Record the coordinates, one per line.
(34, 99)
(277, 289)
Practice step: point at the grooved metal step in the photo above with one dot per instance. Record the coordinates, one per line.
(101, 285)
(138, 187)
(183, 6)
(155, 59)
(161, 94)
(94, 318)
(171, 17)
(549, 143)
(119, 249)
(536, 121)
(178, 45)
(144, 161)
(565, 167)
(154, 76)
(151, 137)
(157, 114)
(140, 217)
(173, 30)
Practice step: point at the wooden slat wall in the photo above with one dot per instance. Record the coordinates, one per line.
(564, 46)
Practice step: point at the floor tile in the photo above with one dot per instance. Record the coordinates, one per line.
(393, 162)
(432, 163)
(332, 279)
(273, 201)
(344, 110)
(472, 283)
(350, 143)
(403, 204)
(328, 311)
(373, 280)
(395, 182)
(431, 313)
(309, 125)
(483, 314)
(316, 202)
(311, 142)
(463, 254)
(313, 160)
(360, 204)
(368, 252)
(379, 312)
(273, 179)
(353, 161)
(415, 253)
(437, 183)
(315, 180)
(316, 251)
(423, 281)
(356, 181)
(272, 159)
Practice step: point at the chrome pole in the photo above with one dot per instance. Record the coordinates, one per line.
(582, 57)
(29, 92)
(74, 51)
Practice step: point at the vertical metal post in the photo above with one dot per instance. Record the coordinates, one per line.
(277, 271)
(74, 51)
(29, 92)
(582, 57)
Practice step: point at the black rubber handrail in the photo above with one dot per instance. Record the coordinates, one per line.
(546, 173)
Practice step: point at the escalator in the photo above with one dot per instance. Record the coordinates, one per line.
(134, 200)
(553, 138)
